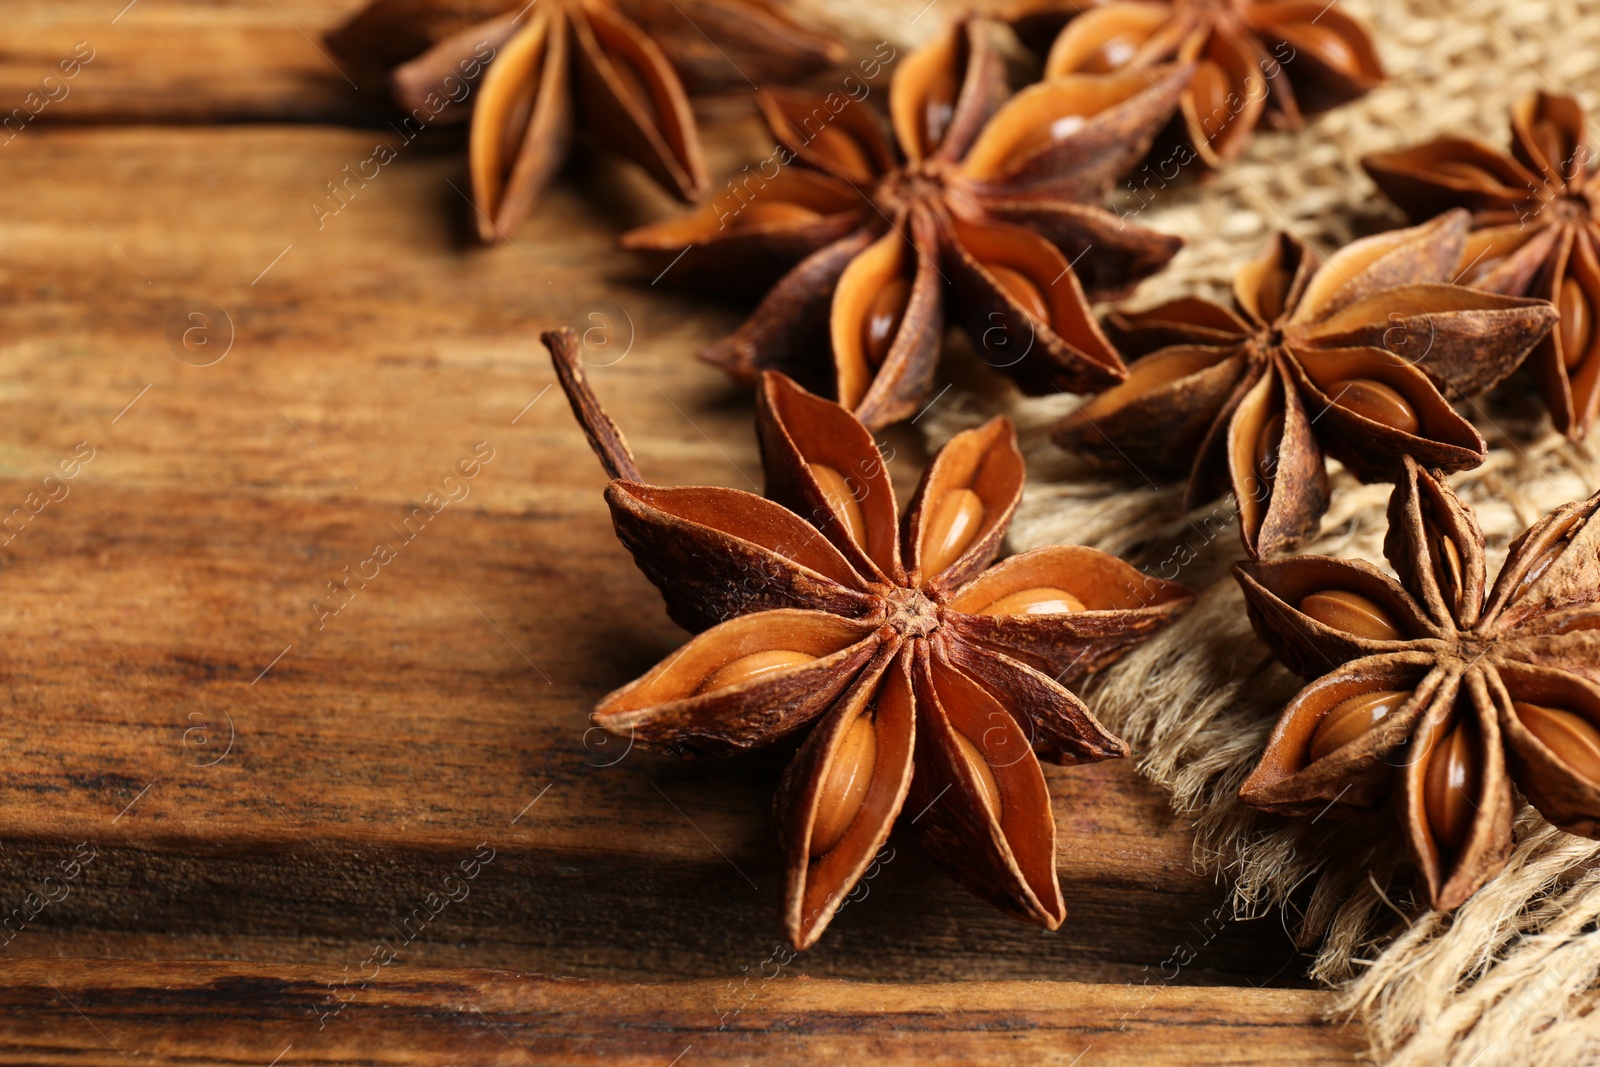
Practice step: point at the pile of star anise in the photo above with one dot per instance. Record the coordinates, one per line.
(926, 679)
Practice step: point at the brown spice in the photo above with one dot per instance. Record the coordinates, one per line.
(1472, 690)
(1257, 60)
(1344, 359)
(1536, 232)
(926, 674)
(537, 67)
(977, 210)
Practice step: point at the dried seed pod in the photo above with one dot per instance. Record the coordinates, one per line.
(1286, 58)
(977, 209)
(1470, 694)
(901, 682)
(1536, 217)
(540, 67)
(1342, 359)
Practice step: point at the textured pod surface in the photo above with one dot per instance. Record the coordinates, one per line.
(1256, 61)
(1538, 224)
(968, 209)
(870, 627)
(1502, 687)
(621, 69)
(1302, 357)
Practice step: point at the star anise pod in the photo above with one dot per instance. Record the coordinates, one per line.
(1437, 687)
(1338, 360)
(974, 206)
(612, 65)
(1279, 59)
(926, 676)
(1536, 232)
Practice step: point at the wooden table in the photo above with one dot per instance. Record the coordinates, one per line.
(230, 797)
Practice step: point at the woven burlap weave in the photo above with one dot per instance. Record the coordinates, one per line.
(1507, 979)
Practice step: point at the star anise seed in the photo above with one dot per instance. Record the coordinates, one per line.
(1345, 359)
(1536, 232)
(1440, 689)
(1277, 60)
(926, 674)
(612, 65)
(978, 207)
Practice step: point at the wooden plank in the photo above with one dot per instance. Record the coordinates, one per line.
(178, 61)
(98, 1012)
(246, 764)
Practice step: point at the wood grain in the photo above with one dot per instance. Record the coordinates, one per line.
(247, 765)
(79, 1012)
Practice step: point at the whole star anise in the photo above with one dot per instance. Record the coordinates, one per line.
(1338, 360)
(927, 675)
(1273, 59)
(1435, 688)
(984, 208)
(1536, 222)
(613, 65)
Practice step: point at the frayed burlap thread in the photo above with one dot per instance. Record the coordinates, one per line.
(1511, 977)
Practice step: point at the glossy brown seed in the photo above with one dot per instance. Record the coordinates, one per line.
(883, 320)
(1209, 88)
(1454, 768)
(1268, 438)
(939, 107)
(1042, 600)
(844, 784)
(1349, 719)
(1021, 289)
(1352, 613)
(1573, 739)
(1112, 55)
(1577, 322)
(748, 668)
(1326, 45)
(1447, 568)
(952, 524)
(1376, 401)
(773, 213)
(988, 791)
(843, 502)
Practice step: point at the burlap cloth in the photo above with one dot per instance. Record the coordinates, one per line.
(1509, 978)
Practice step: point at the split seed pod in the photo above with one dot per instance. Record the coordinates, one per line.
(525, 72)
(1345, 359)
(1536, 232)
(1277, 60)
(1437, 688)
(924, 674)
(979, 208)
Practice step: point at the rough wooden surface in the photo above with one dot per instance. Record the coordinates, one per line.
(78, 1013)
(257, 777)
